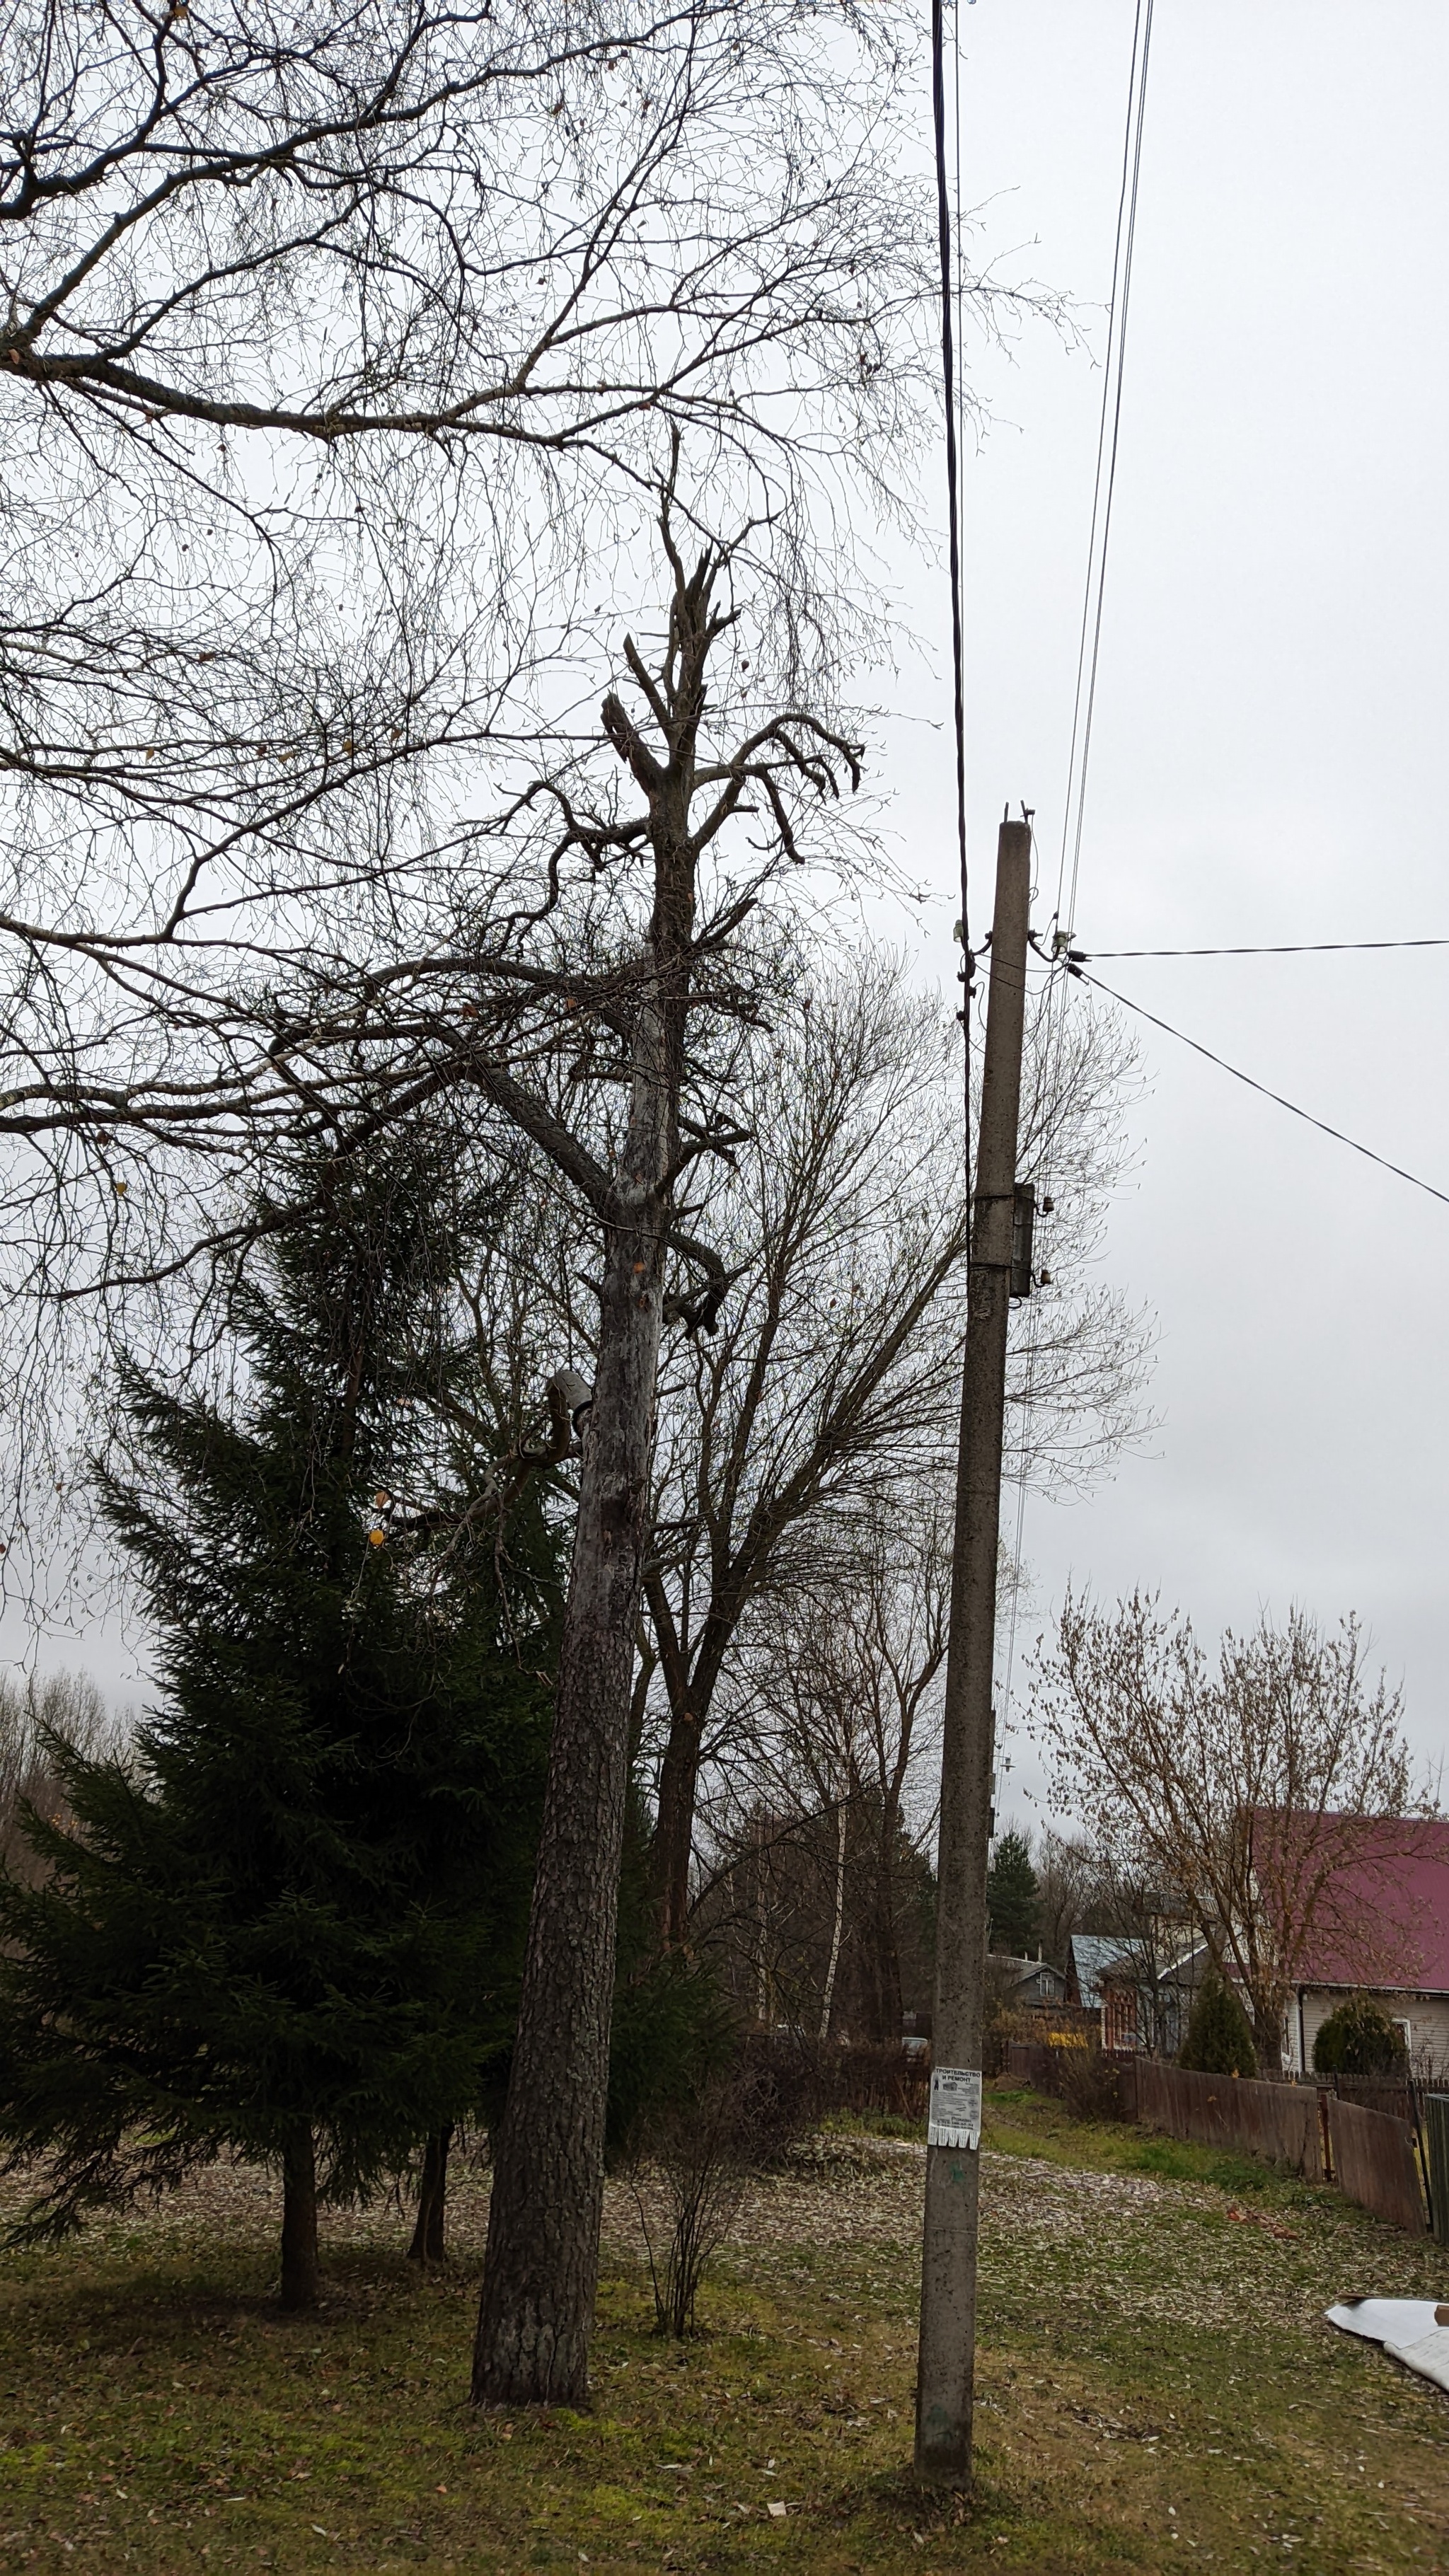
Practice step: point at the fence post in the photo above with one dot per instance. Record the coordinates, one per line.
(1436, 2161)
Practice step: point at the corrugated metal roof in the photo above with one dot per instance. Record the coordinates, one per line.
(1093, 1953)
(1384, 1919)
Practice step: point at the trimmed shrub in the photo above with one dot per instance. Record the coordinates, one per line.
(1359, 2039)
(1219, 2034)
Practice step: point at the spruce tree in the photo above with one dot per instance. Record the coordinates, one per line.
(1219, 2034)
(1358, 2038)
(1013, 1896)
(289, 1922)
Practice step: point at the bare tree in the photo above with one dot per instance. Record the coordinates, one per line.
(32, 1713)
(827, 1395)
(343, 350)
(347, 353)
(1256, 1789)
(294, 219)
(548, 2174)
(836, 1730)
(1067, 1878)
(690, 2169)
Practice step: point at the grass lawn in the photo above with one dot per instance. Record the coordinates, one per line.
(1156, 2386)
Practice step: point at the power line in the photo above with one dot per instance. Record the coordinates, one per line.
(1103, 494)
(1253, 1085)
(948, 374)
(1289, 948)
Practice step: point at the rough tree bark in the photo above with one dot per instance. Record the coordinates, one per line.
(301, 2276)
(541, 2267)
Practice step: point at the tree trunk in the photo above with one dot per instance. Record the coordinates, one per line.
(888, 2008)
(690, 1675)
(838, 1920)
(541, 2267)
(427, 2245)
(674, 1825)
(548, 2177)
(301, 2278)
(1268, 2046)
(887, 1977)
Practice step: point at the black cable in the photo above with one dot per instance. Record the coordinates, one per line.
(1291, 948)
(948, 371)
(1239, 1076)
(1112, 381)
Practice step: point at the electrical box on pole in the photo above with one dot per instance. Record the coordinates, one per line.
(1023, 1238)
(944, 2387)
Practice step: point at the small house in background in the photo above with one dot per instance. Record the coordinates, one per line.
(1385, 1934)
(1088, 1953)
(1142, 1997)
(1026, 1984)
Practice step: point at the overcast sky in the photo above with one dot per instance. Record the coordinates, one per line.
(1271, 727)
(1267, 765)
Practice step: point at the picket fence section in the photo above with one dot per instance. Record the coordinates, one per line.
(1279, 2121)
(1319, 2134)
(1374, 2162)
(1391, 2093)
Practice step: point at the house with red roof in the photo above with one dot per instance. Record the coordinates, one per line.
(1385, 1933)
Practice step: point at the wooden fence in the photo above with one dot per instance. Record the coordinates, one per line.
(1032, 2062)
(1391, 2093)
(1436, 2159)
(1315, 2132)
(1373, 2161)
(1279, 2121)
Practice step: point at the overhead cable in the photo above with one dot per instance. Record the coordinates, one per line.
(953, 494)
(1253, 1084)
(1287, 948)
(1089, 645)
(1103, 490)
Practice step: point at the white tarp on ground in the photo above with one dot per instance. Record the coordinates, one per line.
(1414, 2331)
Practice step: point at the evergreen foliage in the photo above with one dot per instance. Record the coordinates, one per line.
(1219, 2034)
(1013, 1898)
(1359, 2039)
(289, 1920)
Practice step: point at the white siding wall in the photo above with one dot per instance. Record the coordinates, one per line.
(1426, 2015)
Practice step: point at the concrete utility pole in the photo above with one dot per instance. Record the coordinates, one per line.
(953, 2154)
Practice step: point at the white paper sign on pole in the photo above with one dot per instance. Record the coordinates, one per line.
(955, 2115)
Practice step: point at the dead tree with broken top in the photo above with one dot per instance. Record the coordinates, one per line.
(540, 2271)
